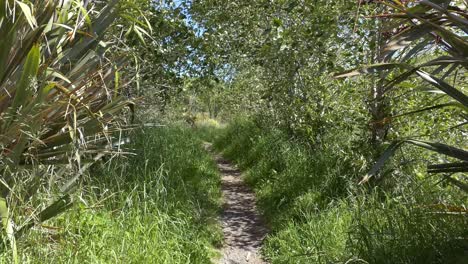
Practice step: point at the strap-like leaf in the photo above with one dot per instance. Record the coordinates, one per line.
(441, 148)
(463, 186)
(448, 167)
(7, 227)
(388, 153)
(56, 208)
(24, 87)
(460, 21)
(406, 37)
(437, 147)
(374, 68)
(415, 50)
(452, 104)
(445, 87)
(28, 14)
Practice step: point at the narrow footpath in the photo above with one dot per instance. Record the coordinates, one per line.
(242, 225)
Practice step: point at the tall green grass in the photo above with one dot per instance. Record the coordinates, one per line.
(318, 214)
(158, 206)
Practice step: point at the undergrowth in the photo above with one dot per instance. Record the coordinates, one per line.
(157, 206)
(318, 214)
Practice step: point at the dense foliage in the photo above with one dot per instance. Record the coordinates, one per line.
(349, 118)
(59, 104)
(328, 154)
(318, 214)
(283, 56)
(156, 206)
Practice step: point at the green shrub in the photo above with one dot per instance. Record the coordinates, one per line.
(318, 214)
(395, 231)
(157, 206)
(321, 238)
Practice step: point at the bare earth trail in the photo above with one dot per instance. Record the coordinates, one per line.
(242, 226)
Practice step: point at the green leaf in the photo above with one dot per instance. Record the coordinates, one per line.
(388, 153)
(138, 31)
(116, 83)
(7, 228)
(56, 208)
(374, 68)
(441, 148)
(54, 73)
(445, 87)
(407, 37)
(24, 87)
(452, 104)
(463, 186)
(28, 14)
(437, 147)
(448, 167)
(84, 13)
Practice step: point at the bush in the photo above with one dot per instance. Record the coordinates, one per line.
(158, 206)
(318, 214)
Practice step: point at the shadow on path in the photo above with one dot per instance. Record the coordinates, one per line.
(243, 228)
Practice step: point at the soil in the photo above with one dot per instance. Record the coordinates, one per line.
(242, 225)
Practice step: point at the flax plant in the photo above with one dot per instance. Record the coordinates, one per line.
(426, 40)
(61, 101)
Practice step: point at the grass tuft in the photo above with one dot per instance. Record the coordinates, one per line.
(318, 214)
(159, 206)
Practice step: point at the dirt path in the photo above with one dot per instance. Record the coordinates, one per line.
(242, 225)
